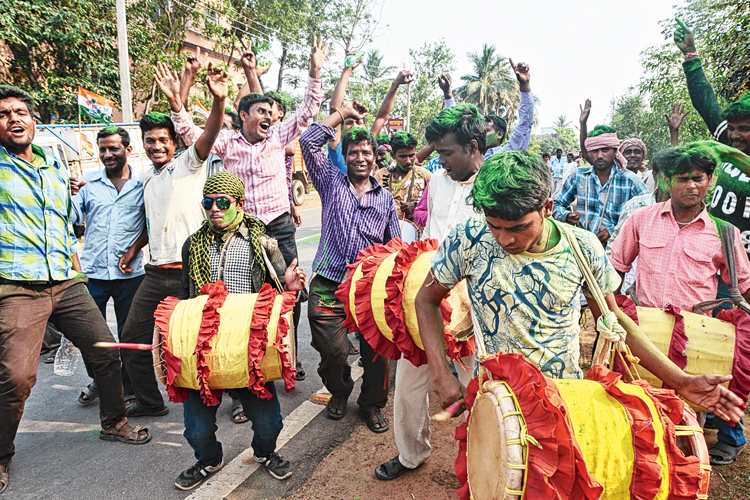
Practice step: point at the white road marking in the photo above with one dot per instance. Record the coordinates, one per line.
(300, 240)
(236, 472)
(37, 426)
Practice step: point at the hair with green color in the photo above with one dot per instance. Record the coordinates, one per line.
(383, 138)
(154, 120)
(358, 134)
(510, 185)
(601, 129)
(112, 130)
(403, 140)
(463, 120)
(739, 110)
(684, 159)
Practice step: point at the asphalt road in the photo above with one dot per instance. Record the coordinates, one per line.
(59, 454)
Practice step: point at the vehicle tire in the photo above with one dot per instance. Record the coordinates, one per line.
(298, 192)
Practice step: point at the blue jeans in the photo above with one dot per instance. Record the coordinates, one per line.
(200, 424)
(122, 292)
(734, 436)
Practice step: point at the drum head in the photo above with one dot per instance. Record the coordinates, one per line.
(488, 452)
(409, 231)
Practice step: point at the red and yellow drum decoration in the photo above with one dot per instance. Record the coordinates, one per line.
(379, 294)
(220, 341)
(698, 344)
(530, 437)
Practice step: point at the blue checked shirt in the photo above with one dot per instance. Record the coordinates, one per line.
(584, 185)
(349, 224)
(114, 221)
(36, 230)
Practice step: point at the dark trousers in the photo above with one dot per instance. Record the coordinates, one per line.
(329, 338)
(200, 424)
(24, 311)
(122, 293)
(283, 229)
(139, 328)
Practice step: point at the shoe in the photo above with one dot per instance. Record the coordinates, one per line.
(136, 410)
(277, 466)
(189, 479)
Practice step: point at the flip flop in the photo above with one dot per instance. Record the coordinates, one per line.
(300, 374)
(723, 453)
(238, 410)
(336, 403)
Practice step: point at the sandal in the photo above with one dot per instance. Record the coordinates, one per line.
(4, 478)
(132, 437)
(376, 422)
(723, 453)
(336, 407)
(300, 373)
(49, 360)
(391, 469)
(352, 350)
(89, 395)
(238, 410)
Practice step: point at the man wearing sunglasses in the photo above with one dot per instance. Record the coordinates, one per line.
(228, 247)
(172, 194)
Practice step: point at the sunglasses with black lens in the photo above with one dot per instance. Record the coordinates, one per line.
(223, 203)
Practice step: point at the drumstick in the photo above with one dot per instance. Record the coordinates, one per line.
(451, 412)
(124, 345)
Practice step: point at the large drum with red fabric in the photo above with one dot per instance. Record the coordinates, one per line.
(531, 437)
(699, 344)
(379, 296)
(220, 341)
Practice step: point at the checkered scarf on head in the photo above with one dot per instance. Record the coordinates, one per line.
(200, 260)
(634, 141)
(606, 141)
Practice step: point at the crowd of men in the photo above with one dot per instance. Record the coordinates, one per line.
(504, 219)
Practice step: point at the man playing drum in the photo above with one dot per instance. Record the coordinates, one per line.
(680, 256)
(227, 247)
(525, 286)
(458, 135)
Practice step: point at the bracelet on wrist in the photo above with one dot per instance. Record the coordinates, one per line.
(690, 55)
(342, 117)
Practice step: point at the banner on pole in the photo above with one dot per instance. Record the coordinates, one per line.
(95, 106)
(396, 124)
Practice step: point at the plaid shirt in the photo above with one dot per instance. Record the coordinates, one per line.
(584, 185)
(36, 230)
(349, 224)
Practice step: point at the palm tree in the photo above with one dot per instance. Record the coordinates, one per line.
(374, 69)
(561, 122)
(492, 86)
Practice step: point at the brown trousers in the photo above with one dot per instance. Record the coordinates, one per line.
(24, 311)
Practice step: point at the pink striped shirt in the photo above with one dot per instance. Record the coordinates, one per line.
(260, 166)
(677, 266)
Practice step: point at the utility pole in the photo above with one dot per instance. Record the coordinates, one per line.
(126, 98)
(408, 106)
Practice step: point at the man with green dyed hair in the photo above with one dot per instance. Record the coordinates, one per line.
(525, 286)
(405, 180)
(600, 190)
(680, 254)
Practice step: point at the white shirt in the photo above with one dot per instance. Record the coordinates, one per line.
(173, 205)
(446, 205)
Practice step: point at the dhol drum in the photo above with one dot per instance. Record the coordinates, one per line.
(379, 297)
(531, 437)
(409, 231)
(221, 341)
(699, 344)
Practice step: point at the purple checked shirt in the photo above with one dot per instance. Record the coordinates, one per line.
(349, 224)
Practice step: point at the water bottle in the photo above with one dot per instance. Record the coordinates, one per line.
(66, 359)
(353, 59)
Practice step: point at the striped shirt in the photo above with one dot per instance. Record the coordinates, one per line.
(36, 229)
(584, 185)
(349, 224)
(261, 166)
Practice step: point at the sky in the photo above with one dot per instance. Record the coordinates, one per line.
(576, 49)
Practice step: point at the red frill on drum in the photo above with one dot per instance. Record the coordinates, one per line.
(288, 365)
(217, 294)
(173, 363)
(256, 346)
(558, 469)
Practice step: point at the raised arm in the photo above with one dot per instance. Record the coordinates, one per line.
(444, 82)
(403, 78)
(702, 95)
(337, 98)
(257, 86)
(521, 136)
(216, 81)
(585, 112)
(674, 121)
(193, 65)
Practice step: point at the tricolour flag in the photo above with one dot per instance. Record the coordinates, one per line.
(97, 107)
(199, 108)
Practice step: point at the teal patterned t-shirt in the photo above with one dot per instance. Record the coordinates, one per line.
(529, 303)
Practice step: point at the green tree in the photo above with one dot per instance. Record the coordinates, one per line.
(429, 61)
(492, 86)
(57, 46)
(373, 68)
(551, 144)
(567, 138)
(561, 122)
